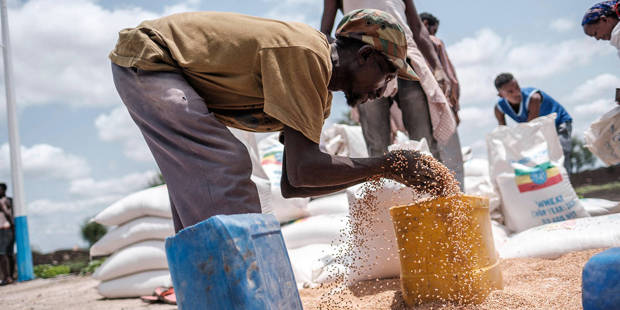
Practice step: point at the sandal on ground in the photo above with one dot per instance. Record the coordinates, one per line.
(167, 296)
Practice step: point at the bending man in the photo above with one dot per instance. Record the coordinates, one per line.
(185, 77)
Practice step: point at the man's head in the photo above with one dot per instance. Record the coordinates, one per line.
(2, 189)
(599, 21)
(431, 22)
(508, 88)
(372, 51)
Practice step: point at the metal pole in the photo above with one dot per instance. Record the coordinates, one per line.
(24, 255)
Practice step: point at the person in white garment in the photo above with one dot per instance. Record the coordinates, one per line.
(426, 112)
(601, 22)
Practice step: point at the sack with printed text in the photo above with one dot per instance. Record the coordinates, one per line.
(526, 166)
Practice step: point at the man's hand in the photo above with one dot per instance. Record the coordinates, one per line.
(405, 167)
(443, 81)
(421, 172)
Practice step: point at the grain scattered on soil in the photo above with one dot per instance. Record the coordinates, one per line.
(529, 283)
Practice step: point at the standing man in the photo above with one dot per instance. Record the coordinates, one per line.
(6, 236)
(426, 112)
(185, 77)
(432, 25)
(526, 104)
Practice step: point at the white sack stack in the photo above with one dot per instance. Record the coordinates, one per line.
(137, 263)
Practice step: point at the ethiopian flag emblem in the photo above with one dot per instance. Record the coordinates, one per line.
(535, 178)
(272, 158)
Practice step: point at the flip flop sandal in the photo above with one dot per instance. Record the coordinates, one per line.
(168, 297)
(160, 290)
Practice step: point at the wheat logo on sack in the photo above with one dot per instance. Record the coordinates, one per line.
(538, 177)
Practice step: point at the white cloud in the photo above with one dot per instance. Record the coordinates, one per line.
(475, 117)
(43, 161)
(563, 24)
(187, 6)
(480, 58)
(601, 86)
(55, 224)
(62, 58)
(484, 46)
(45, 207)
(117, 126)
(305, 11)
(598, 107)
(590, 100)
(60, 49)
(88, 187)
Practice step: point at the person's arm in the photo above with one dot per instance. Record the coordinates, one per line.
(330, 8)
(499, 115)
(306, 171)
(455, 92)
(534, 107)
(5, 208)
(423, 40)
(290, 191)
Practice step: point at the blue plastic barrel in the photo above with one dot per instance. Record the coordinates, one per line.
(232, 262)
(601, 281)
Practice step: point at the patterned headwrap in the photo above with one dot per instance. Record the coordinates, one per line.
(605, 8)
(382, 31)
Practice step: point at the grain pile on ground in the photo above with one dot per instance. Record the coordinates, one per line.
(529, 283)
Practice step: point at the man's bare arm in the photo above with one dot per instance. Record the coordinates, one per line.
(307, 166)
(534, 107)
(306, 171)
(289, 191)
(501, 118)
(330, 7)
(421, 36)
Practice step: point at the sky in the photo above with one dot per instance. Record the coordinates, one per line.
(81, 151)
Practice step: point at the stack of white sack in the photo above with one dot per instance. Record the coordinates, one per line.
(137, 262)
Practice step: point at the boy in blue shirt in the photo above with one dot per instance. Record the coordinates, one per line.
(528, 103)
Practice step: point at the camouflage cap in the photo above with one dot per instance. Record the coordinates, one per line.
(380, 30)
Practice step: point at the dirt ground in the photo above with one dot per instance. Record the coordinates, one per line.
(528, 284)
